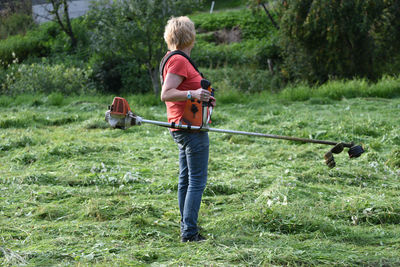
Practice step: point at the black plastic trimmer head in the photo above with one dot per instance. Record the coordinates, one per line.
(354, 152)
(121, 116)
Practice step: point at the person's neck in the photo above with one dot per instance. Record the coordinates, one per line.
(186, 50)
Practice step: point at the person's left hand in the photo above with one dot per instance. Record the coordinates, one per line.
(212, 101)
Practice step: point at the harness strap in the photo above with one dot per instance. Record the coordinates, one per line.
(167, 57)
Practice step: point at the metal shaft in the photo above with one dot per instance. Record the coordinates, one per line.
(198, 128)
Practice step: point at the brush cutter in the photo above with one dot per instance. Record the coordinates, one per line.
(121, 116)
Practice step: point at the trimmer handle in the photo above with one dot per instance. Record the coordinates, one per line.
(206, 85)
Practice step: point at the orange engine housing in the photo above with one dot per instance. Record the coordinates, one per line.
(193, 113)
(196, 112)
(119, 107)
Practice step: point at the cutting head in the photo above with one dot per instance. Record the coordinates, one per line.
(330, 160)
(355, 151)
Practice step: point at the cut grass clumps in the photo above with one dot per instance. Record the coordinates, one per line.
(68, 150)
(50, 212)
(25, 158)
(287, 221)
(9, 144)
(76, 194)
(28, 120)
(118, 208)
(95, 124)
(358, 213)
(394, 159)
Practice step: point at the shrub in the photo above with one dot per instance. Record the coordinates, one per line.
(35, 43)
(254, 25)
(14, 24)
(21, 48)
(56, 99)
(339, 39)
(46, 78)
(254, 52)
(113, 74)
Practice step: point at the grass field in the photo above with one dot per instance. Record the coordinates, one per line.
(73, 192)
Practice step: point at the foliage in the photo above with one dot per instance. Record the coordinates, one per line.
(33, 44)
(253, 24)
(46, 40)
(74, 192)
(61, 45)
(132, 32)
(244, 80)
(340, 39)
(15, 24)
(257, 46)
(60, 13)
(386, 87)
(254, 53)
(45, 78)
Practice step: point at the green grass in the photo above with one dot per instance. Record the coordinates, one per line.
(74, 192)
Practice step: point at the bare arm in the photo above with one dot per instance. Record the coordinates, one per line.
(169, 91)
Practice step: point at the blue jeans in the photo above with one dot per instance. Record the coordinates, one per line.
(193, 165)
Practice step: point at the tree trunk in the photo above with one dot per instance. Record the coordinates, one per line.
(74, 41)
(270, 16)
(64, 21)
(155, 79)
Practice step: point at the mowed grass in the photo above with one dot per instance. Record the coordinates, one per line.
(75, 192)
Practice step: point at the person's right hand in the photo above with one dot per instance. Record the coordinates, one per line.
(201, 94)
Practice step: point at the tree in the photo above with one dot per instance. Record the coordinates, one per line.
(133, 29)
(340, 38)
(15, 17)
(60, 12)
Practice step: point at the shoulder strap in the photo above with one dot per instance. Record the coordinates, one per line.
(167, 57)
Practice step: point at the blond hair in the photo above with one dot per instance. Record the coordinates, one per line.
(179, 33)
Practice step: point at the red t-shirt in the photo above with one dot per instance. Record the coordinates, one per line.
(179, 65)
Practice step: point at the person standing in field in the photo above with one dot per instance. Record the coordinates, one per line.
(182, 82)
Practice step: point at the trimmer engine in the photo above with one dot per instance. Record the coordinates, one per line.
(119, 107)
(119, 114)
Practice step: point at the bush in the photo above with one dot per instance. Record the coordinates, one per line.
(21, 48)
(61, 42)
(254, 25)
(45, 78)
(14, 24)
(35, 43)
(250, 52)
(45, 40)
(113, 74)
(339, 39)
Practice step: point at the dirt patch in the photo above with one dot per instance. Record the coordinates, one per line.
(226, 36)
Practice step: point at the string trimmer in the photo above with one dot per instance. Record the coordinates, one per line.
(121, 116)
